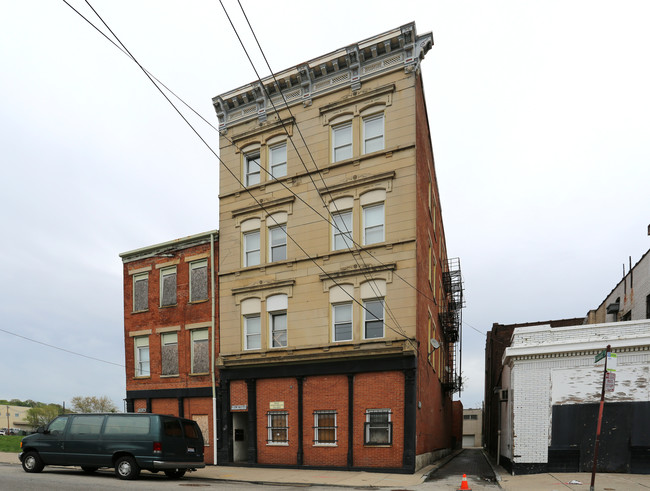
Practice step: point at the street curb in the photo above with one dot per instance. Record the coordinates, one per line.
(497, 475)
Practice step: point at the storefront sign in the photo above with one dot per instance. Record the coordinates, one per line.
(276, 405)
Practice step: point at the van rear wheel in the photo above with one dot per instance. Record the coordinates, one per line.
(175, 473)
(32, 462)
(127, 468)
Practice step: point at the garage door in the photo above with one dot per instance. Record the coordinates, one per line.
(468, 441)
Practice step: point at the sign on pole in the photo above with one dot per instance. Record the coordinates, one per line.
(612, 361)
(600, 356)
(610, 381)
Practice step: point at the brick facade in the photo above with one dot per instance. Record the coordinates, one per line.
(385, 384)
(188, 392)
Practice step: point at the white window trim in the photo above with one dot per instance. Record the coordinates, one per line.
(367, 119)
(246, 250)
(272, 325)
(335, 147)
(334, 305)
(248, 158)
(383, 318)
(138, 343)
(273, 165)
(271, 229)
(246, 333)
(340, 232)
(383, 222)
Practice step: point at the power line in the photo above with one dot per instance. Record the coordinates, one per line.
(60, 349)
(347, 232)
(262, 207)
(357, 245)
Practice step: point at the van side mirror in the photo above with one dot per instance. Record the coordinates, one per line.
(40, 429)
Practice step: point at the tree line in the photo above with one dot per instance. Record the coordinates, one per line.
(39, 413)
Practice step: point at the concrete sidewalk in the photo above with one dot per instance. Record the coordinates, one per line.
(357, 479)
(560, 481)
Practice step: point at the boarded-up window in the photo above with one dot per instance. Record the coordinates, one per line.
(169, 353)
(200, 351)
(198, 281)
(202, 421)
(168, 287)
(140, 292)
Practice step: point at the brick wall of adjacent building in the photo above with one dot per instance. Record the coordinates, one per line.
(153, 393)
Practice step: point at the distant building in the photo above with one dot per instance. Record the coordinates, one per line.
(472, 428)
(629, 299)
(340, 309)
(14, 418)
(171, 330)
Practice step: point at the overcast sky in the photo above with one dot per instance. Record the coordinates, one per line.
(540, 122)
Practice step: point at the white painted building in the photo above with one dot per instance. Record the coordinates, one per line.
(551, 390)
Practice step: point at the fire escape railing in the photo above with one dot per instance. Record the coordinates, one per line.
(451, 322)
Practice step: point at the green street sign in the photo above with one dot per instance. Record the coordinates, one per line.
(600, 356)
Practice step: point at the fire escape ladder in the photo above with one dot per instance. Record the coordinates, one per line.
(451, 322)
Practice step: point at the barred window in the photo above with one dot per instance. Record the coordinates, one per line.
(378, 427)
(325, 427)
(278, 427)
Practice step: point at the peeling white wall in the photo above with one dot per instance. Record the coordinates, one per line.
(549, 367)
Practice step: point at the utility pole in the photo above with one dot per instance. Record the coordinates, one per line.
(600, 415)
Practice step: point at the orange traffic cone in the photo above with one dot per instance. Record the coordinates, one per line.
(463, 485)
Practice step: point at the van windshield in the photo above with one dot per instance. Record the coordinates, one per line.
(58, 425)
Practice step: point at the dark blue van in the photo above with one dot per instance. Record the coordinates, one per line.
(127, 442)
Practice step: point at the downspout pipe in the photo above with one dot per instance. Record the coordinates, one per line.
(212, 360)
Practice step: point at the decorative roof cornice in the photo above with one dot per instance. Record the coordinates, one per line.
(170, 246)
(399, 48)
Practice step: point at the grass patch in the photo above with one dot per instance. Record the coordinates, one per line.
(10, 443)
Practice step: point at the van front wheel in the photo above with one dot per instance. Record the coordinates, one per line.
(126, 468)
(175, 473)
(32, 462)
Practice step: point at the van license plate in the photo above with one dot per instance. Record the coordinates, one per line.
(190, 450)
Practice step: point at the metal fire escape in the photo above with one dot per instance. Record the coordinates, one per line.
(451, 321)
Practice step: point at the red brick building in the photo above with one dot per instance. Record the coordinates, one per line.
(171, 330)
(339, 308)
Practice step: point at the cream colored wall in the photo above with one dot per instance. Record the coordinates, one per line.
(309, 307)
